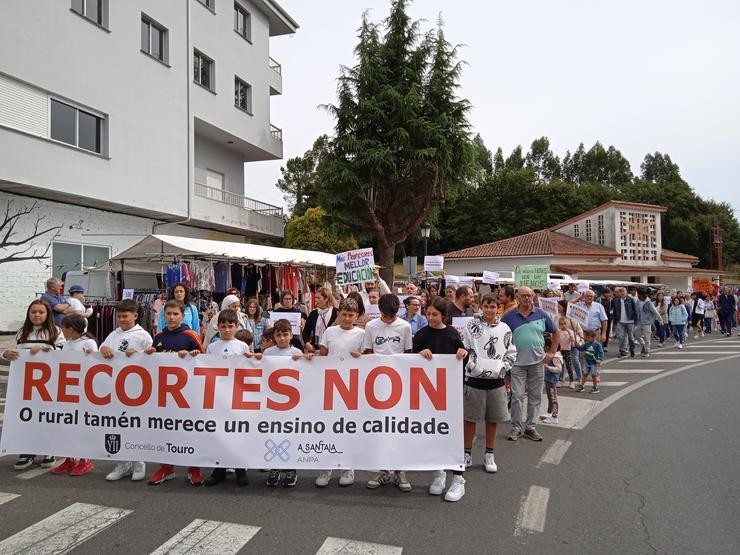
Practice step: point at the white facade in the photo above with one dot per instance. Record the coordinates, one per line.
(104, 116)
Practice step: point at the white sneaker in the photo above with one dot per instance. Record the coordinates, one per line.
(323, 478)
(347, 478)
(402, 482)
(490, 463)
(384, 477)
(439, 483)
(545, 416)
(468, 460)
(551, 420)
(119, 471)
(139, 471)
(457, 489)
(680, 345)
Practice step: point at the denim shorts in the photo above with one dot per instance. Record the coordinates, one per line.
(592, 369)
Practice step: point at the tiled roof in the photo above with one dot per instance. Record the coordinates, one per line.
(673, 255)
(544, 242)
(616, 204)
(633, 269)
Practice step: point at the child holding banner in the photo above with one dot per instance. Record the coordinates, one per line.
(283, 337)
(593, 355)
(175, 337)
(440, 339)
(129, 338)
(77, 340)
(38, 333)
(343, 340)
(388, 335)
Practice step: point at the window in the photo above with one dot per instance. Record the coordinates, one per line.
(210, 4)
(242, 22)
(242, 95)
(76, 127)
(203, 70)
(154, 39)
(576, 230)
(94, 10)
(601, 229)
(588, 230)
(67, 257)
(214, 179)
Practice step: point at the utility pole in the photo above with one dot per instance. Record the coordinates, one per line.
(717, 242)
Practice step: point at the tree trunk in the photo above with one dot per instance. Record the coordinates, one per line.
(385, 260)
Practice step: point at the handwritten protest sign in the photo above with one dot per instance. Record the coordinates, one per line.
(293, 317)
(434, 263)
(355, 266)
(490, 277)
(531, 275)
(549, 305)
(399, 411)
(577, 313)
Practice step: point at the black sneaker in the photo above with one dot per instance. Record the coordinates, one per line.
(290, 479)
(48, 462)
(594, 390)
(241, 477)
(217, 476)
(579, 388)
(622, 354)
(273, 478)
(23, 462)
(532, 434)
(632, 354)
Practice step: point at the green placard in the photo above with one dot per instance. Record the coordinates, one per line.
(533, 275)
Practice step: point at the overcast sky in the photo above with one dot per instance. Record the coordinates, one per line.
(642, 75)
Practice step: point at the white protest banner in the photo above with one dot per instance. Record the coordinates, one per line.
(434, 263)
(293, 317)
(459, 323)
(577, 313)
(490, 277)
(549, 305)
(355, 266)
(582, 286)
(372, 412)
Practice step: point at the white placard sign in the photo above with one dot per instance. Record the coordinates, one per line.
(582, 286)
(549, 305)
(490, 277)
(355, 266)
(452, 281)
(293, 317)
(372, 310)
(434, 263)
(127, 294)
(459, 323)
(399, 411)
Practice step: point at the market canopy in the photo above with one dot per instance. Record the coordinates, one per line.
(154, 250)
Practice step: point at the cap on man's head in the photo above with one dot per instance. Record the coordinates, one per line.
(77, 289)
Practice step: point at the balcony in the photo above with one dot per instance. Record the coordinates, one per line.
(235, 199)
(276, 133)
(275, 77)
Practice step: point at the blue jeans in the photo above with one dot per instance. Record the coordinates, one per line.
(575, 355)
(708, 324)
(629, 330)
(678, 330)
(663, 332)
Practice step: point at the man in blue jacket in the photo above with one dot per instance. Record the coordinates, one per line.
(624, 317)
(727, 308)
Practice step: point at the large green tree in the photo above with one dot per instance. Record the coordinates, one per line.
(401, 138)
(315, 231)
(299, 181)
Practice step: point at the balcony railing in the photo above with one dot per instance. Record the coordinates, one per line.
(276, 133)
(235, 199)
(274, 66)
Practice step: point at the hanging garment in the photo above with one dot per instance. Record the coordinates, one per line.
(221, 272)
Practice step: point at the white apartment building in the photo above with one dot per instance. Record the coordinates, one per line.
(120, 118)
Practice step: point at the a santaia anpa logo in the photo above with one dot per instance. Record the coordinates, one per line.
(112, 443)
(279, 450)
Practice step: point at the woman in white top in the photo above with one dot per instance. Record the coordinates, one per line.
(230, 302)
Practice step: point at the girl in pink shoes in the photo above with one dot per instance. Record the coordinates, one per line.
(77, 340)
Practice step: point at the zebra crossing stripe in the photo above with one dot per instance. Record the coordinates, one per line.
(63, 531)
(5, 497)
(32, 474)
(341, 546)
(208, 536)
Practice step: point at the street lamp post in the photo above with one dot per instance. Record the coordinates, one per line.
(426, 229)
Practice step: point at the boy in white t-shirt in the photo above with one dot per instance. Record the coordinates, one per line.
(388, 335)
(129, 338)
(343, 340)
(227, 344)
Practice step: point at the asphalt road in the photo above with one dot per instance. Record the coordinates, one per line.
(650, 465)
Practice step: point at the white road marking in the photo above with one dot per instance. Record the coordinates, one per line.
(612, 384)
(694, 351)
(554, 453)
(655, 360)
(208, 536)
(572, 410)
(5, 497)
(27, 475)
(586, 419)
(631, 371)
(341, 546)
(532, 511)
(63, 531)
